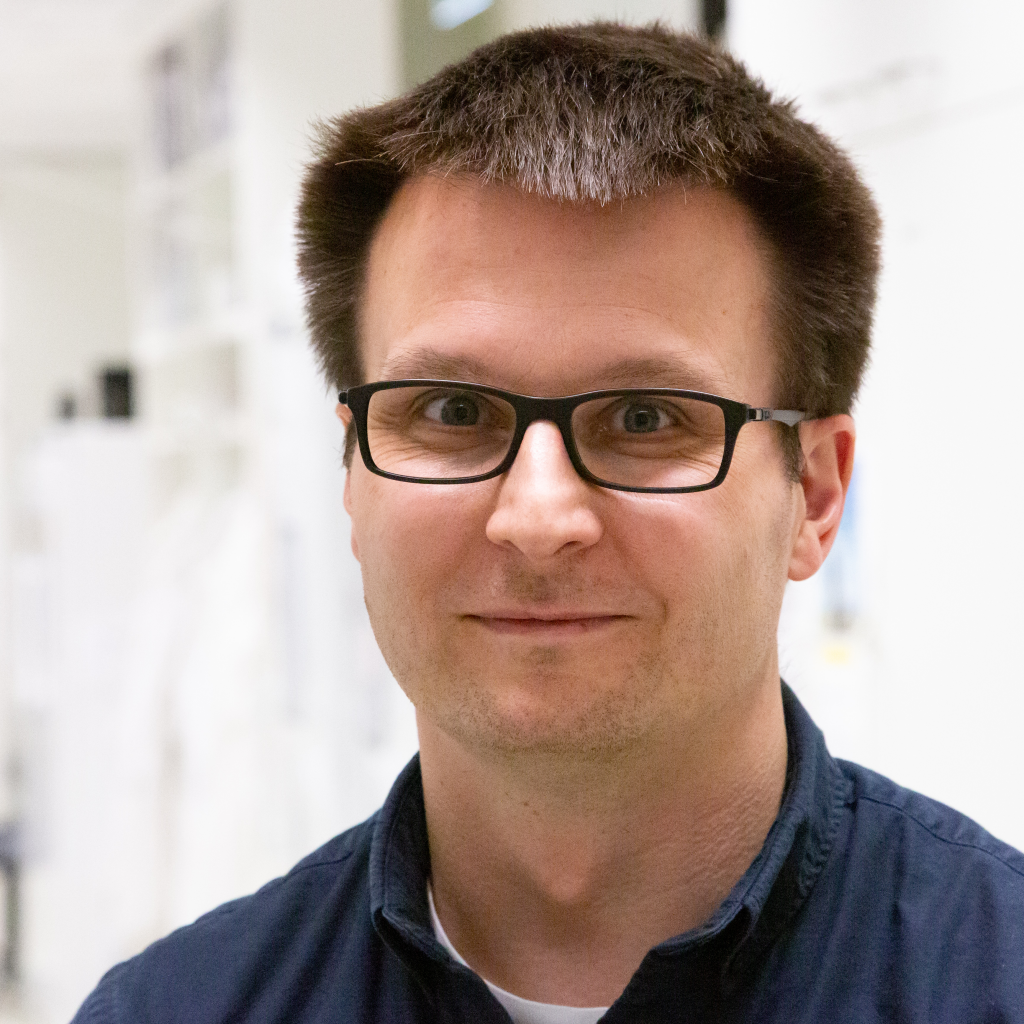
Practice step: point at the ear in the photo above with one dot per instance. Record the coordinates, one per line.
(344, 413)
(828, 463)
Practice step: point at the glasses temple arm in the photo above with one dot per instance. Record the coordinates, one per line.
(788, 416)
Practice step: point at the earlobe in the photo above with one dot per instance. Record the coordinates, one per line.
(828, 463)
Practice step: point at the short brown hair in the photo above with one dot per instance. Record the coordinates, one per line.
(602, 112)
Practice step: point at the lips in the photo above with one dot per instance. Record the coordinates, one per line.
(547, 622)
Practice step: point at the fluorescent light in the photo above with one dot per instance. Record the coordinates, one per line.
(446, 14)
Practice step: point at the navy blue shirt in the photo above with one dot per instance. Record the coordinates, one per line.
(867, 903)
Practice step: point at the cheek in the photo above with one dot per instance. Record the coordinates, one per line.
(752, 562)
(410, 536)
(674, 543)
(717, 561)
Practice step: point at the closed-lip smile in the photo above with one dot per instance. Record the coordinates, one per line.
(534, 622)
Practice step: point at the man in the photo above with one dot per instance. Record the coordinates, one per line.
(598, 307)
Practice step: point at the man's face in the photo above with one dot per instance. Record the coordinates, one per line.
(535, 610)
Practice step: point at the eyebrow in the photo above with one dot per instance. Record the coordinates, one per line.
(429, 363)
(656, 372)
(643, 372)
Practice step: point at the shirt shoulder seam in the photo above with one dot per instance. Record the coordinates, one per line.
(942, 839)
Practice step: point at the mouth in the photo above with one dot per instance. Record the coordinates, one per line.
(546, 625)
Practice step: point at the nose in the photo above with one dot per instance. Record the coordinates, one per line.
(544, 507)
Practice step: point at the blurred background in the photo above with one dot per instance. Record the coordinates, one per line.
(190, 695)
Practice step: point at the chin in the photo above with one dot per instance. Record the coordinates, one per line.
(549, 718)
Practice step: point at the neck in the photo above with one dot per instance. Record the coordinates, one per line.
(553, 876)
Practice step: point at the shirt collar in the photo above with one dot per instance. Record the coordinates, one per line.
(745, 924)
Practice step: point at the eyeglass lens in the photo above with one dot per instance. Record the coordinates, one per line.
(635, 440)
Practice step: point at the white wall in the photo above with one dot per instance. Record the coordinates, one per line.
(64, 313)
(199, 682)
(518, 14)
(87, 889)
(63, 224)
(353, 727)
(929, 98)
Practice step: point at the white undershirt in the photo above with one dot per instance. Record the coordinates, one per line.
(522, 1011)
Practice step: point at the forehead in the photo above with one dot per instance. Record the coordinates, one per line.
(484, 282)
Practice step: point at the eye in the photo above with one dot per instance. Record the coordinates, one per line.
(642, 418)
(458, 410)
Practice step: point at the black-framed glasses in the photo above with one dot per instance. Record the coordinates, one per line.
(652, 440)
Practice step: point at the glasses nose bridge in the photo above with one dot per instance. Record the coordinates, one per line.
(546, 410)
(558, 411)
